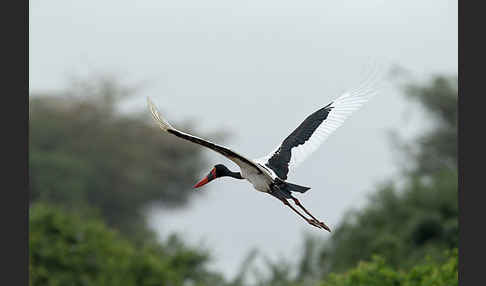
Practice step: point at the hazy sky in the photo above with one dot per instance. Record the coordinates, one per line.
(255, 69)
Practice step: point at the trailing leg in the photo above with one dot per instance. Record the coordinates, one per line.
(310, 221)
(296, 201)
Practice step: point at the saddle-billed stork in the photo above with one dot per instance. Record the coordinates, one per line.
(268, 174)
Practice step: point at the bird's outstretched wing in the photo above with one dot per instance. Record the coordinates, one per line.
(315, 129)
(238, 159)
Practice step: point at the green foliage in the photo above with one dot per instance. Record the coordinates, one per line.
(375, 273)
(435, 274)
(438, 270)
(378, 273)
(437, 148)
(67, 249)
(402, 225)
(83, 153)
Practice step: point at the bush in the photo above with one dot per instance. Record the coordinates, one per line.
(378, 273)
(67, 249)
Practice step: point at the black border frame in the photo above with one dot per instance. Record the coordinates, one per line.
(15, 199)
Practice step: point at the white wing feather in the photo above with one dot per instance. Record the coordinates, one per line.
(343, 107)
(163, 124)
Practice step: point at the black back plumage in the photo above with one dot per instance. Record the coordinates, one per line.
(279, 162)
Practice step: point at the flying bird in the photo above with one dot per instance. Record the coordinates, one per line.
(268, 174)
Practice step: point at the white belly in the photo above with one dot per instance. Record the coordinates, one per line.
(260, 181)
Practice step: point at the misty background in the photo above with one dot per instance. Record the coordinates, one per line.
(255, 70)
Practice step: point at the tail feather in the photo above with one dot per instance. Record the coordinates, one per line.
(296, 188)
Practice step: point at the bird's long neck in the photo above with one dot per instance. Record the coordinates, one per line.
(235, 175)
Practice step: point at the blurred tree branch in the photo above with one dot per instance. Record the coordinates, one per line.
(85, 154)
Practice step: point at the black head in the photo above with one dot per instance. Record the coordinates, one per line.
(221, 170)
(218, 171)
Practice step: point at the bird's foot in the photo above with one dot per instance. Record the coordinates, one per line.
(324, 226)
(319, 224)
(314, 223)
